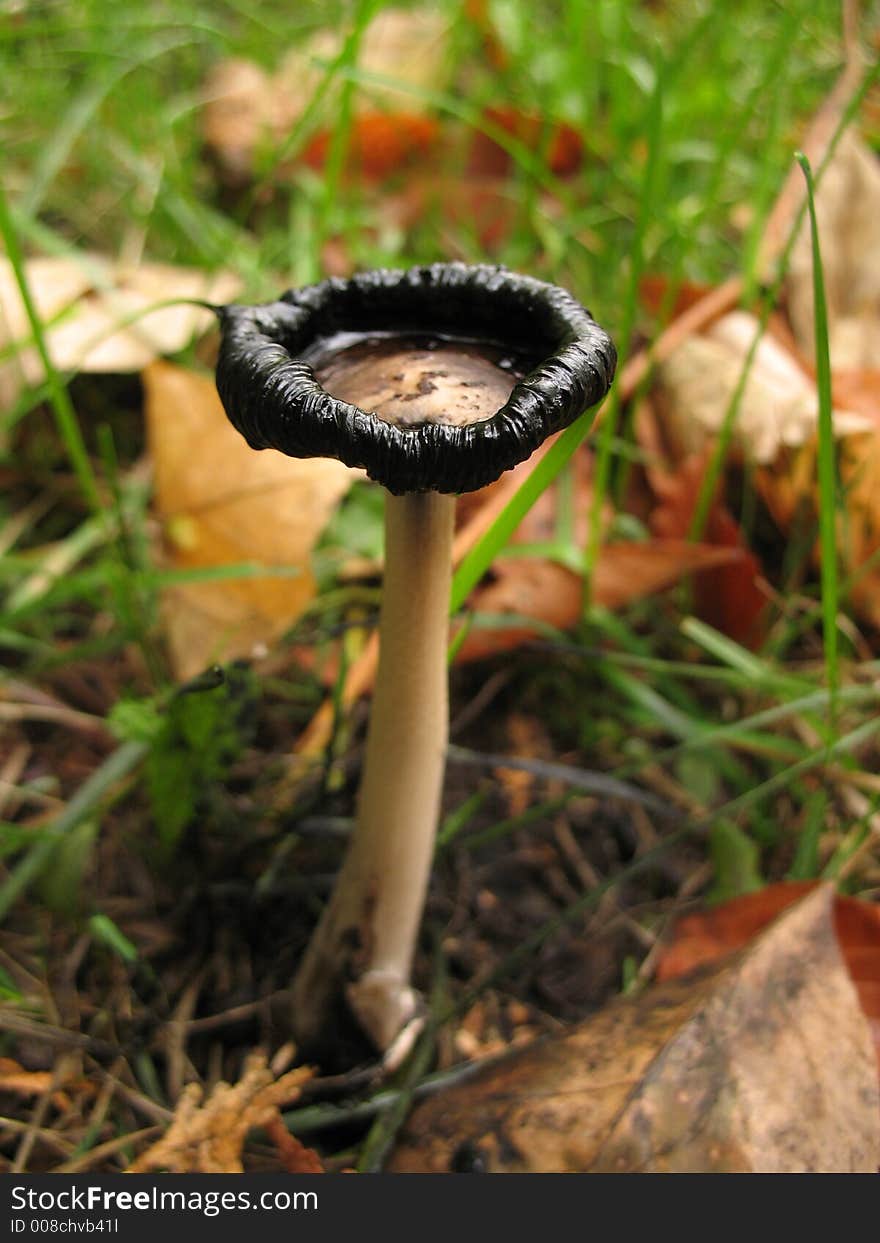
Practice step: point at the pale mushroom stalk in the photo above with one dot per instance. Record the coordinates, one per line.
(369, 928)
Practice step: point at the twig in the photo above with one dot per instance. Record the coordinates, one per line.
(71, 717)
(60, 1073)
(580, 778)
(19, 1025)
(235, 1014)
(108, 1149)
(50, 1138)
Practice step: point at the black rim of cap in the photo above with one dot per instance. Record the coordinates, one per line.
(272, 397)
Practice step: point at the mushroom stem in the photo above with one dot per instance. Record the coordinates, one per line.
(365, 940)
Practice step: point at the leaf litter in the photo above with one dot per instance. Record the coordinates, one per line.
(709, 1074)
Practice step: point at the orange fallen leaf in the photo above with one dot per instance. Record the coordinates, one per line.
(538, 594)
(657, 295)
(380, 143)
(221, 503)
(247, 108)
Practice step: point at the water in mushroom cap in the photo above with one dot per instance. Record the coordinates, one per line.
(410, 380)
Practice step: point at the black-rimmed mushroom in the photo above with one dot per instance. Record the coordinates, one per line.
(435, 380)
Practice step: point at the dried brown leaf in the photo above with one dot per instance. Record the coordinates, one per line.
(537, 594)
(779, 406)
(380, 143)
(208, 1137)
(732, 597)
(221, 503)
(703, 937)
(766, 1064)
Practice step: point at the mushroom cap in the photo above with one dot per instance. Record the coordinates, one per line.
(271, 394)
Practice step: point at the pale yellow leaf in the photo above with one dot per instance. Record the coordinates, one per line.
(223, 503)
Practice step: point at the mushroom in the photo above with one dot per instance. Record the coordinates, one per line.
(435, 380)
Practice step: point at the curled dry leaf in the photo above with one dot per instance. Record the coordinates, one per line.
(97, 314)
(848, 215)
(222, 504)
(779, 407)
(777, 430)
(705, 936)
(208, 1137)
(765, 1064)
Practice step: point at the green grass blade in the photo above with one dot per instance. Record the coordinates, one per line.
(827, 462)
(86, 799)
(62, 406)
(484, 552)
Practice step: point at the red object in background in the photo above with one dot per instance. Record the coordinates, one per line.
(559, 142)
(728, 597)
(380, 143)
(656, 296)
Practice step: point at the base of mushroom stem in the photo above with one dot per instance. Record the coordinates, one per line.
(388, 1009)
